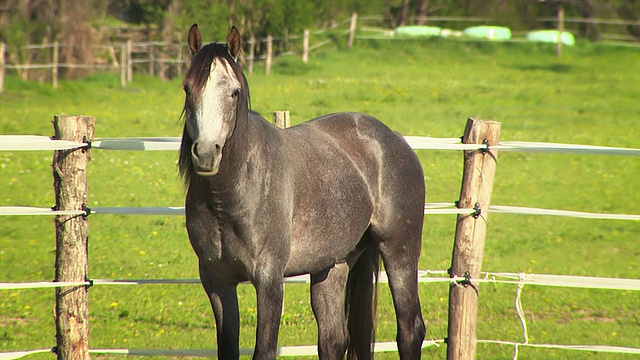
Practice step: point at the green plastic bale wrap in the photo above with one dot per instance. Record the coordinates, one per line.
(488, 32)
(552, 36)
(416, 31)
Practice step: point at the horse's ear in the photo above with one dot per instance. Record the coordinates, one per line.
(233, 42)
(194, 39)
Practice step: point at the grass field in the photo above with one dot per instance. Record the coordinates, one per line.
(417, 88)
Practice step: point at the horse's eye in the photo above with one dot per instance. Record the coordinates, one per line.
(235, 93)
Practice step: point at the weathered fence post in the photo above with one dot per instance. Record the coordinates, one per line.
(267, 65)
(3, 65)
(305, 46)
(152, 59)
(252, 53)
(72, 231)
(179, 68)
(123, 65)
(281, 119)
(129, 61)
(55, 57)
(560, 30)
(468, 248)
(352, 30)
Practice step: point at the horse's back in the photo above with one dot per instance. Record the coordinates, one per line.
(367, 141)
(398, 182)
(358, 174)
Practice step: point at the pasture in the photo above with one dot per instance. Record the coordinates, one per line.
(429, 88)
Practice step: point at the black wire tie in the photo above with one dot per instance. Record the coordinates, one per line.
(87, 142)
(467, 278)
(485, 142)
(87, 210)
(478, 211)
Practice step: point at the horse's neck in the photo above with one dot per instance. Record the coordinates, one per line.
(246, 147)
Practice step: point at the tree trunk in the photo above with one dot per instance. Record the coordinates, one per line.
(590, 30)
(167, 34)
(421, 12)
(404, 13)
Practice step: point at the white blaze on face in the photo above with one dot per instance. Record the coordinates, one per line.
(214, 116)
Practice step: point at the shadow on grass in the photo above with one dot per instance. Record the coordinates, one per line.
(555, 68)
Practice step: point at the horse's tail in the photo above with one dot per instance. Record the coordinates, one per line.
(361, 303)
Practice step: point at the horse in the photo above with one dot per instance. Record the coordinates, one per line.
(331, 198)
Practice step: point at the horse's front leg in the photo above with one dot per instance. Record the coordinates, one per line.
(269, 294)
(224, 301)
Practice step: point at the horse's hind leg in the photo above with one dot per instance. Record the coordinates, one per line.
(327, 302)
(224, 301)
(401, 265)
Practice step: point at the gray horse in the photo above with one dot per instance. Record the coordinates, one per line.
(328, 198)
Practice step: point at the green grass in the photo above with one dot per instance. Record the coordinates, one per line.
(417, 88)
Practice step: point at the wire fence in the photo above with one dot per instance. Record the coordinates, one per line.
(35, 143)
(172, 54)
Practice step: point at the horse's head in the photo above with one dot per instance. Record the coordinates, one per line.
(216, 96)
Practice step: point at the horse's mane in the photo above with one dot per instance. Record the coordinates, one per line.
(194, 83)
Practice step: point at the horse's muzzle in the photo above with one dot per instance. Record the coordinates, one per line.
(206, 158)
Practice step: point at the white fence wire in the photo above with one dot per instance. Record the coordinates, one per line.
(430, 209)
(32, 142)
(35, 142)
(424, 276)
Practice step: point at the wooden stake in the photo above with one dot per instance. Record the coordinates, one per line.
(252, 53)
(352, 30)
(55, 56)
(123, 65)
(560, 30)
(3, 65)
(152, 59)
(267, 69)
(281, 119)
(305, 46)
(129, 61)
(468, 249)
(72, 231)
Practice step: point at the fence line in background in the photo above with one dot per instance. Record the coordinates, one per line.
(127, 60)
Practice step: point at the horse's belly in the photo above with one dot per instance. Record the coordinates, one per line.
(327, 232)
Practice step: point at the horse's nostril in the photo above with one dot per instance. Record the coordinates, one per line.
(194, 149)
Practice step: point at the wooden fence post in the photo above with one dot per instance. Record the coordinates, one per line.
(305, 46)
(468, 249)
(560, 30)
(3, 65)
(252, 53)
(281, 119)
(179, 69)
(267, 69)
(129, 61)
(352, 30)
(55, 60)
(123, 65)
(72, 231)
(152, 59)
